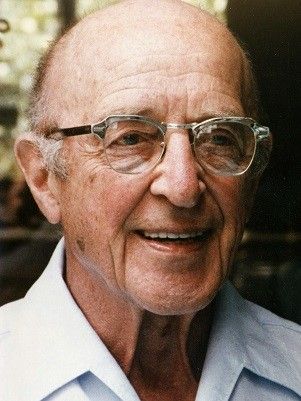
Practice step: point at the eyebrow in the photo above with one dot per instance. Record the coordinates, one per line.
(148, 112)
(215, 114)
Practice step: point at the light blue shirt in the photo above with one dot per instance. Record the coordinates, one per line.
(48, 350)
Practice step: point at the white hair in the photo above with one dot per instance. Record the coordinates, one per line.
(51, 151)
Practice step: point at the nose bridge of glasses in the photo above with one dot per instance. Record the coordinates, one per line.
(188, 127)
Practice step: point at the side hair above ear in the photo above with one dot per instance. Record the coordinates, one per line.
(50, 150)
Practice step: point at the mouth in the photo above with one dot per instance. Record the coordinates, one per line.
(177, 238)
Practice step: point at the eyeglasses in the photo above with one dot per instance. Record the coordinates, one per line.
(133, 144)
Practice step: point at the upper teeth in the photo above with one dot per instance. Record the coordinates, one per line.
(172, 235)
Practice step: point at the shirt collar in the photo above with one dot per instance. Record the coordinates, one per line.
(53, 342)
(244, 335)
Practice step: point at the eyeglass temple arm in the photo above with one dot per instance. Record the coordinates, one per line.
(84, 129)
(98, 129)
(262, 133)
(264, 147)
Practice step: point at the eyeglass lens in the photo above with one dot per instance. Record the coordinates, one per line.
(224, 148)
(133, 146)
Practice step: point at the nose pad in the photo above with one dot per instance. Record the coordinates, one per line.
(191, 139)
(178, 175)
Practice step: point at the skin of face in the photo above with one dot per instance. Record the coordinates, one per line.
(174, 64)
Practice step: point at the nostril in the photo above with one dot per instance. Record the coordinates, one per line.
(184, 190)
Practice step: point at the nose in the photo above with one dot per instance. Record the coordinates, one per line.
(179, 177)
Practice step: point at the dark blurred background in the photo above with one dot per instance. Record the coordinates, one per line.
(267, 269)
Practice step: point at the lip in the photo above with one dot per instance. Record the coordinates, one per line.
(178, 246)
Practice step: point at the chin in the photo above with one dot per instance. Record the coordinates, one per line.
(175, 306)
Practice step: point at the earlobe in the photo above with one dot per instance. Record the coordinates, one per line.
(42, 183)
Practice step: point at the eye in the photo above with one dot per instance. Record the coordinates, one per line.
(222, 138)
(225, 147)
(219, 137)
(133, 146)
(132, 138)
(130, 134)
(221, 141)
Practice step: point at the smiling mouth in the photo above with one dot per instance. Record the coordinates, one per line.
(196, 236)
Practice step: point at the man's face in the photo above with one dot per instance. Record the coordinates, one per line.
(112, 221)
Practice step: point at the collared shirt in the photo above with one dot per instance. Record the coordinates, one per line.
(48, 350)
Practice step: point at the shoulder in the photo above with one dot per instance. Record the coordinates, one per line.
(253, 314)
(270, 344)
(270, 322)
(9, 317)
(10, 351)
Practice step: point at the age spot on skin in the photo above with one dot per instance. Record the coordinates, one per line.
(81, 244)
(92, 178)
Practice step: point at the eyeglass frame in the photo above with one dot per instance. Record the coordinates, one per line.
(261, 133)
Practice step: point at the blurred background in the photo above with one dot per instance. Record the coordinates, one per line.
(267, 269)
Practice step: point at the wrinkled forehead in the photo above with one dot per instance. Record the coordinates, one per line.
(115, 45)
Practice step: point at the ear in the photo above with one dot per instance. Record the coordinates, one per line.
(43, 184)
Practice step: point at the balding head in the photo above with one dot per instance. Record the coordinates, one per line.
(83, 67)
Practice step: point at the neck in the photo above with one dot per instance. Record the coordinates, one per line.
(169, 355)
(162, 355)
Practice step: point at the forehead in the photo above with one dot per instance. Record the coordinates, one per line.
(193, 84)
(148, 63)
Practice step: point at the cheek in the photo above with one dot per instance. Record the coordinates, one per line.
(230, 195)
(95, 209)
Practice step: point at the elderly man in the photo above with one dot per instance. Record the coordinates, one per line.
(144, 146)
